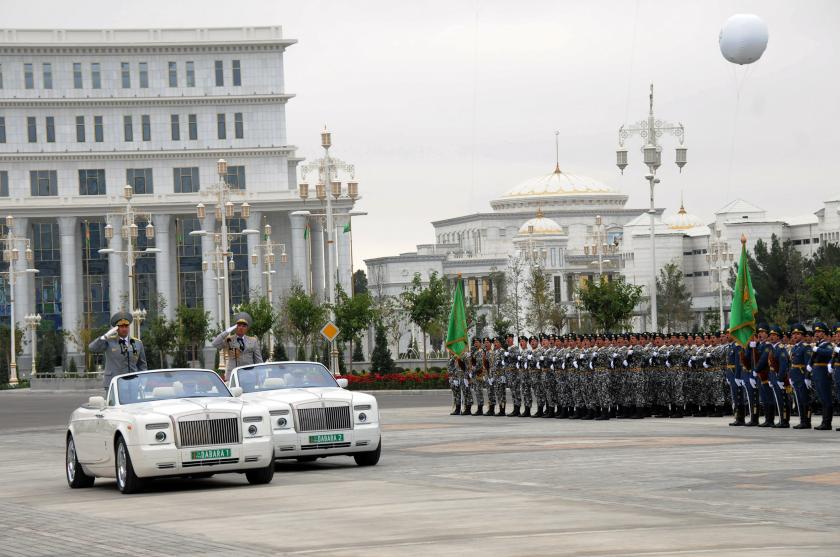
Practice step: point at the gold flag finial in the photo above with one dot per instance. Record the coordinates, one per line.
(743, 239)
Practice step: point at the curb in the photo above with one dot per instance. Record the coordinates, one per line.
(405, 391)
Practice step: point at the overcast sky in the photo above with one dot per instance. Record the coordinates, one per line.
(444, 105)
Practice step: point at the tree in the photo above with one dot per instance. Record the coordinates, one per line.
(304, 316)
(160, 337)
(610, 303)
(390, 313)
(540, 299)
(263, 316)
(50, 344)
(824, 288)
(557, 317)
(828, 255)
(780, 313)
(360, 282)
(358, 353)
(514, 292)
(5, 341)
(711, 320)
(353, 314)
(776, 272)
(380, 358)
(501, 325)
(193, 325)
(426, 305)
(673, 298)
(279, 354)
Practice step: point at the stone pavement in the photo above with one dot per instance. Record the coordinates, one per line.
(458, 486)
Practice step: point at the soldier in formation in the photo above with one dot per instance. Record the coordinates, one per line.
(641, 375)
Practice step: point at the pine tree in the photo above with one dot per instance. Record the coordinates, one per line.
(380, 358)
(279, 354)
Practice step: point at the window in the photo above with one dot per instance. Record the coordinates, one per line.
(190, 74)
(238, 126)
(95, 76)
(140, 179)
(128, 128)
(2, 129)
(92, 182)
(98, 129)
(236, 177)
(558, 289)
(144, 75)
(220, 126)
(77, 75)
(47, 72)
(46, 249)
(94, 271)
(237, 73)
(4, 183)
(1, 76)
(125, 71)
(175, 123)
(31, 129)
(146, 124)
(43, 182)
(190, 276)
(193, 126)
(80, 129)
(220, 74)
(28, 76)
(186, 179)
(50, 129)
(173, 74)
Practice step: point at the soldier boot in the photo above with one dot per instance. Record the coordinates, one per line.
(739, 416)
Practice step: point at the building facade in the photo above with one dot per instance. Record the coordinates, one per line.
(85, 112)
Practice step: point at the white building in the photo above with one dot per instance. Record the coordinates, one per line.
(84, 112)
(556, 217)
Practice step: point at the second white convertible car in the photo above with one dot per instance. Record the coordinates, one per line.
(171, 422)
(312, 415)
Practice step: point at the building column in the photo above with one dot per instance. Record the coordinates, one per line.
(299, 255)
(117, 293)
(343, 259)
(71, 304)
(255, 276)
(24, 289)
(318, 257)
(163, 266)
(211, 285)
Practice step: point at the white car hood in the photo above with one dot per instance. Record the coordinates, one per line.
(300, 396)
(184, 406)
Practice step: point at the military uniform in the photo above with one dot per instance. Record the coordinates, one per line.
(820, 360)
(122, 354)
(238, 350)
(457, 375)
(780, 377)
(800, 377)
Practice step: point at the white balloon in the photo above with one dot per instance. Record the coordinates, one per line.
(743, 38)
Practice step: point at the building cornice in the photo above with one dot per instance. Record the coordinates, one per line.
(215, 153)
(119, 102)
(552, 213)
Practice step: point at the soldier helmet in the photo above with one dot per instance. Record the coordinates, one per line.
(121, 318)
(243, 318)
(488, 339)
(776, 330)
(820, 326)
(762, 327)
(476, 339)
(508, 335)
(797, 328)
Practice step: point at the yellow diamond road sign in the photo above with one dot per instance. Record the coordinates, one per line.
(330, 331)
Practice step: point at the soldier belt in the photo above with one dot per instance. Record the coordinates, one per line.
(820, 365)
(798, 366)
(730, 366)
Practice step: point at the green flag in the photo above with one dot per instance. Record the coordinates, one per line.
(744, 304)
(347, 227)
(456, 335)
(306, 232)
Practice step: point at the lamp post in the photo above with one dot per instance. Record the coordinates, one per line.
(11, 254)
(222, 256)
(650, 130)
(328, 168)
(130, 232)
(599, 245)
(33, 321)
(719, 259)
(269, 259)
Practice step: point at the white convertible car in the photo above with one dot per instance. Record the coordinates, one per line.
(170, 422)
(312, 415)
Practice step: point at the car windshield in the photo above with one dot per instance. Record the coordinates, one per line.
(164, 385)
(269, 377)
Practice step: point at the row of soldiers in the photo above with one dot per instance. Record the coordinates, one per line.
(637, 375)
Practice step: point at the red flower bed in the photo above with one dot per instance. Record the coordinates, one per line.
(406, 380)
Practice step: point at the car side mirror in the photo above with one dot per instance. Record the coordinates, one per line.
(236, 391)
(97, 402)
(342, 382)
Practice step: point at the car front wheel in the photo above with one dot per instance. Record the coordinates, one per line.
(261, 475)
(369, 458)
(127, 480)
(76, 477)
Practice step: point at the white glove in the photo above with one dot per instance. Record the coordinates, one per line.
(809, 368)
(615, 354)
(781, 384)
(629, 352)
(667, 363)
(830, 369)
(706, 366)
(739, 382)
(507, 353)
(530, 357)
(542, 358)
(752, 344)
(808, 383)
(655, 354)
(563, 365)
(111, 332)
(590, 365)
(624, 363)
(575, 364)
(650, 361)
(837, 349)
(755, 374)
(517, 365)
(752, 382)
(230, 329)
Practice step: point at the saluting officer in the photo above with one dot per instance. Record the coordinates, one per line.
(123, 353)
(240, 349)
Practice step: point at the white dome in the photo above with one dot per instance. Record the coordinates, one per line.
(540, 225)
(682, 220)
(558, 183)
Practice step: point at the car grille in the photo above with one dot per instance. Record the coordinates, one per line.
(216, 431)
(324, 446)
(214, 462)
(324, 419)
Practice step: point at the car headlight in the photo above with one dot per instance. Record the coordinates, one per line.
(252, 429)
(160, 436)
(281, 422)
(362, 417)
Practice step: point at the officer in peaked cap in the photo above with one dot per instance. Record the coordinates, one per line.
(818, 366)
(123, 353)
(238, 348)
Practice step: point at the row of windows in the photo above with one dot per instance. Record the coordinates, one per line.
(126, 73)
(44, 183)
(128, 128)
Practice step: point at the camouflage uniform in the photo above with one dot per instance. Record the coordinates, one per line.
(459, 386)
(477, 377)
(499, 378)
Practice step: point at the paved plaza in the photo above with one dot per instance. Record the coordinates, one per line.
(447, 486)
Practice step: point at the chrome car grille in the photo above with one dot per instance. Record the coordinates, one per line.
(218, 431)
(324, 419)
(214, 462)
(324, 446)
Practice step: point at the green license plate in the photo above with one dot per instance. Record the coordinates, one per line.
(210, 454)
(326, 438)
